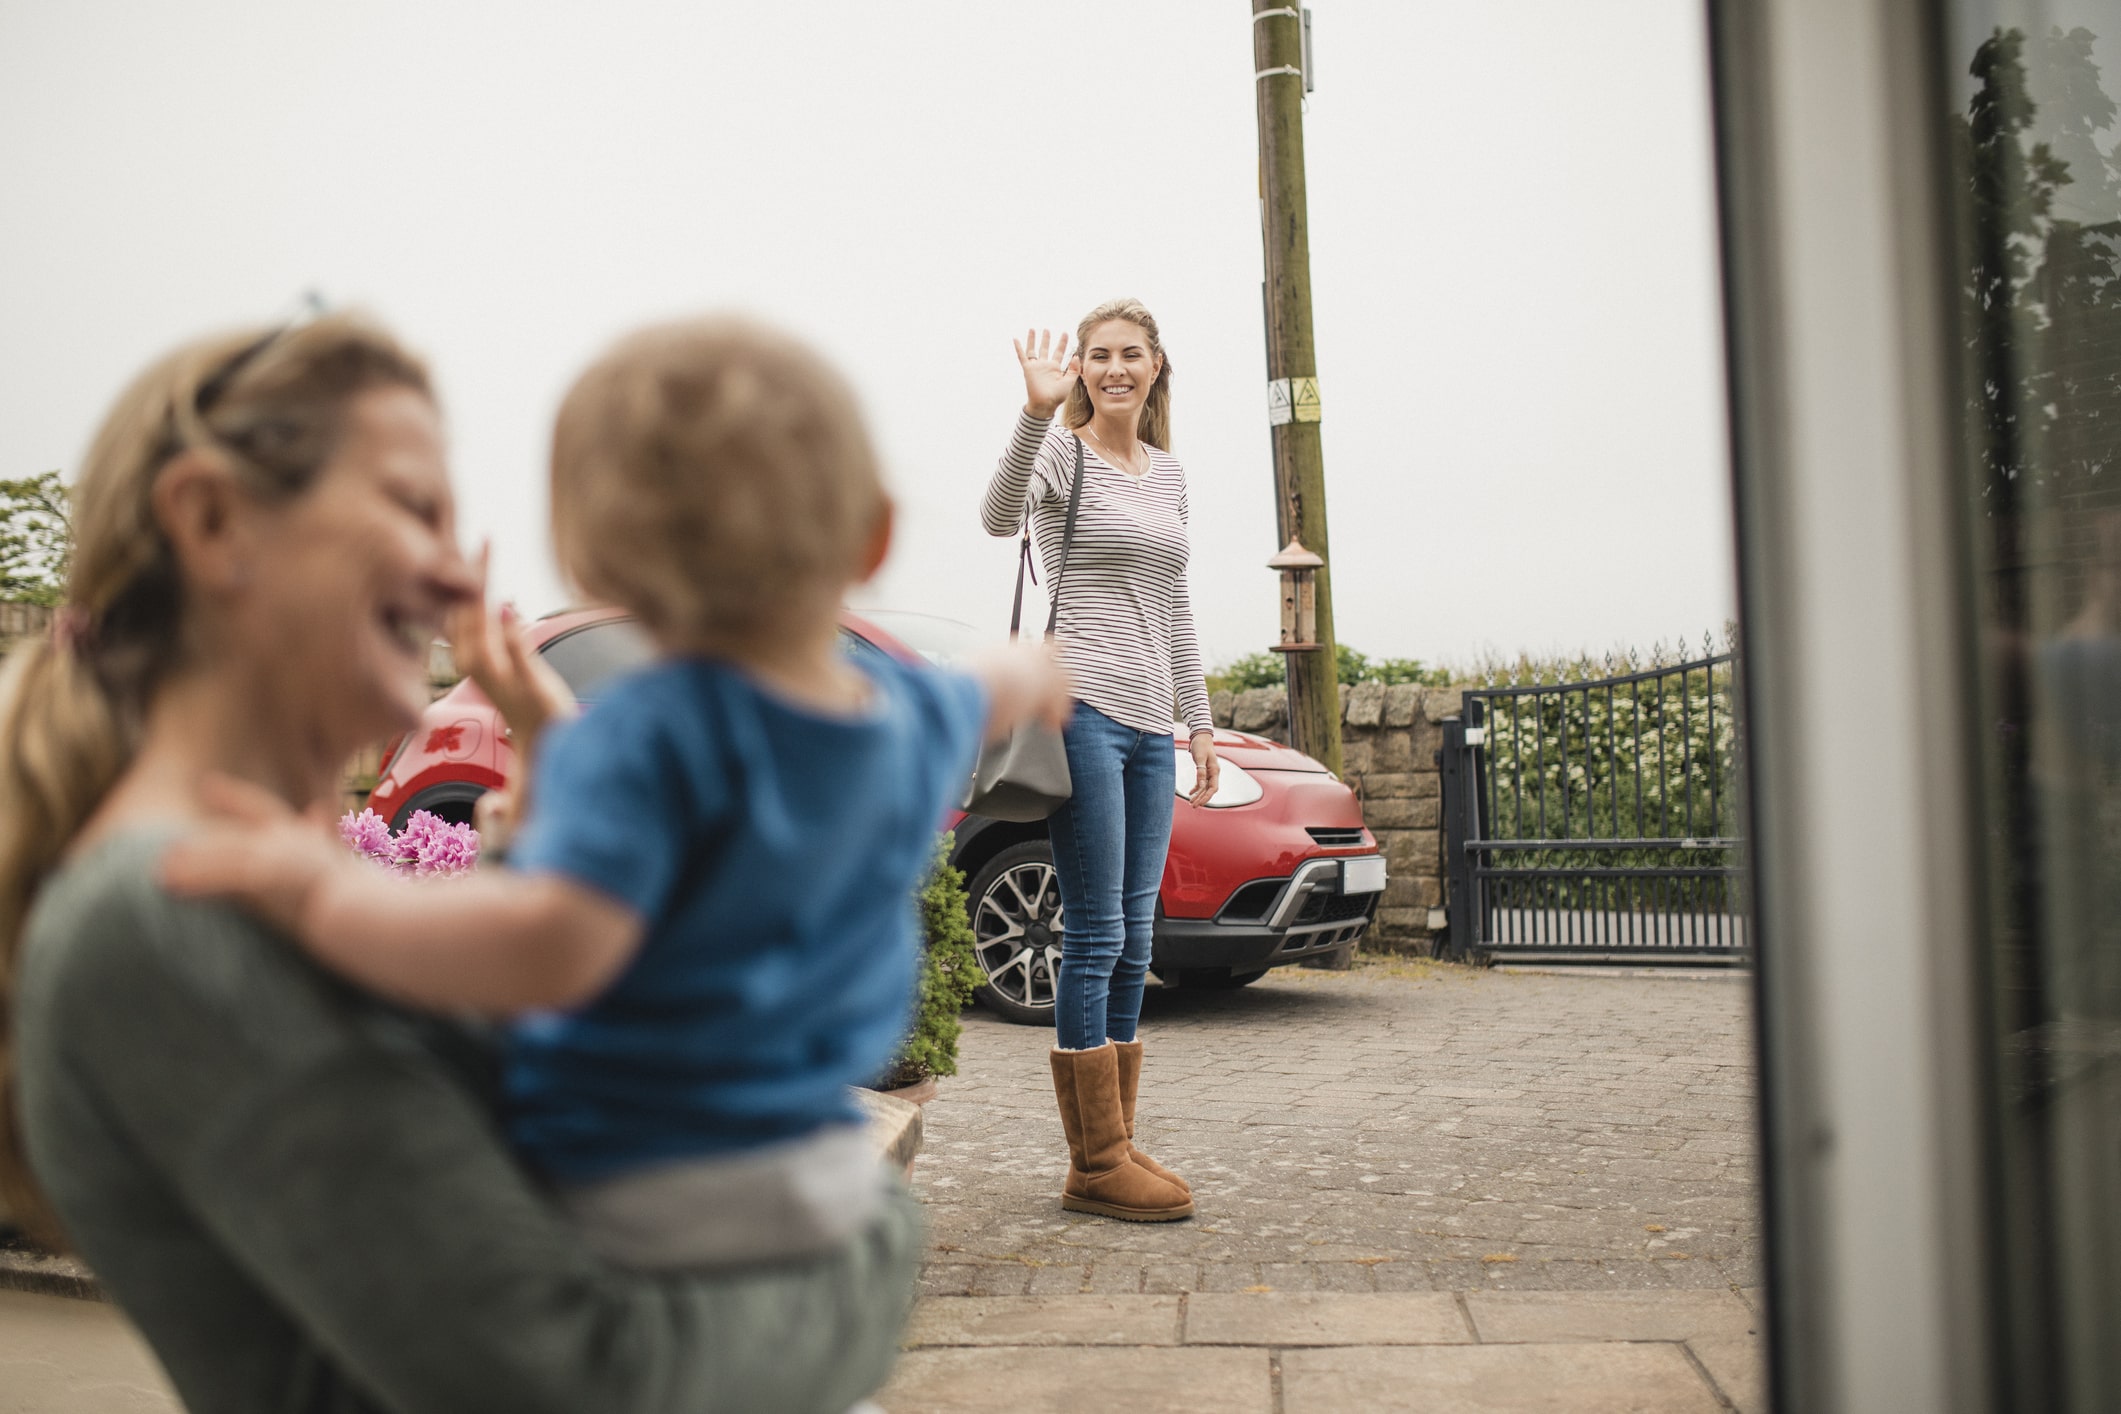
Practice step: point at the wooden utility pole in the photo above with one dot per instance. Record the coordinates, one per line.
(1292, 365)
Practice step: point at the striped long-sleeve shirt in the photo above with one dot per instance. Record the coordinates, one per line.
(1126, 620)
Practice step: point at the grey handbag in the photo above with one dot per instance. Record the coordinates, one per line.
(1024, 776)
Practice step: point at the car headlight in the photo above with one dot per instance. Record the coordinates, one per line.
(1234, 785)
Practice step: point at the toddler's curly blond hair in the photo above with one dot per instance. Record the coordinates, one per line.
(713, 477)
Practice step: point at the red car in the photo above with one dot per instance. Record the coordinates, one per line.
(1276, 869)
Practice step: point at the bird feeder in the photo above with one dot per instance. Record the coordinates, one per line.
(1299, 598)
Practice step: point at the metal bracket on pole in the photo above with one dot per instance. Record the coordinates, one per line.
(1303, 20)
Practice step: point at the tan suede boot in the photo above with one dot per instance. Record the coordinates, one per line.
(1102, 1179)
(1130, 1080)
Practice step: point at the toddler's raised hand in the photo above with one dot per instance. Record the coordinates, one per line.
(490, 650)
(1024, 684)
(494, 816)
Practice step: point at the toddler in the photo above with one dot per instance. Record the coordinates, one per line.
(705, 931)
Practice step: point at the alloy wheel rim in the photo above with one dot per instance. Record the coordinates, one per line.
(1017, 934)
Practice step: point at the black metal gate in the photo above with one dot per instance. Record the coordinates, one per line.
(1598, 818)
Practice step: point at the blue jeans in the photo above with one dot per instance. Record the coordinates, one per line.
(1109, 843)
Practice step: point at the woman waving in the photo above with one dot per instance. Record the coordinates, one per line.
(1125, 635)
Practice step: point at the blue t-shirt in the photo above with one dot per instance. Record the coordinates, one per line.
(773, 854)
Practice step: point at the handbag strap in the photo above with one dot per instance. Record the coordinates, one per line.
(1075, 501)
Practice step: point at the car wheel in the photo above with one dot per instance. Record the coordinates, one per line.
(1216, 979)
(453, 802)
(1016, 932)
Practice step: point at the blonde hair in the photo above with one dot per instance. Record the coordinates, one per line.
(269, 405)
(1155, 424)
(715, 479)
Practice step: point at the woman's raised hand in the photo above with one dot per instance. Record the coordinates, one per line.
(1049, 374)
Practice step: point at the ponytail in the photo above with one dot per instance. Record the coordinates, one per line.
(61, 750)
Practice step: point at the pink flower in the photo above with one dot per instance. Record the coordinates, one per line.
(367, 833)
(448, 850)
(428, 845)
(412, 840)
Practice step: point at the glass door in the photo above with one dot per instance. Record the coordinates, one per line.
(1922, 217)
(2035, 205)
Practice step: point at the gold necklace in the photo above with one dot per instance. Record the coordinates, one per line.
(1106, 452)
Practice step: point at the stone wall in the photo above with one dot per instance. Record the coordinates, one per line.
(20, 621)
(1389, 740)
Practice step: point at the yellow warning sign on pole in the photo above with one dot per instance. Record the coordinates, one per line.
(1292, 400)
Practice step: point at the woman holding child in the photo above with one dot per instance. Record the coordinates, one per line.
(289, 1185)
(1125, 634)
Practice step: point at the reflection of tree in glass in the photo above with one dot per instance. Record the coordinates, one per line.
(2043, 271)
(2040, 179)
(2072, 111)
(2040, 191)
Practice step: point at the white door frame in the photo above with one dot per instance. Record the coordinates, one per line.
(1831, 128)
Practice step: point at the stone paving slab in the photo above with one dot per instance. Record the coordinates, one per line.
(1542, 1316)
(1495, 1379)
(1026, 1355)
(1573, 1351)
(1073, 1380)
(1402, 1127)
(1325, 1318)
(1735, 1363)
(65, 1356)
(1050, 1320)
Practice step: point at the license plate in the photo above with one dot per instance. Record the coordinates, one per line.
(1363, 876)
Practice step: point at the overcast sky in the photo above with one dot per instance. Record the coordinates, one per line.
(1512, 236)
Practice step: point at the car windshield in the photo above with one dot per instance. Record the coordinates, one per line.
(939, 640)
(587, 657)
(861, 649)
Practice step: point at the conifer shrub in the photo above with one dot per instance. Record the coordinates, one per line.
(949, 972)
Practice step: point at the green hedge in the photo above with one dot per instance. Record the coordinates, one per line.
(1626, 761)
(1267, 670)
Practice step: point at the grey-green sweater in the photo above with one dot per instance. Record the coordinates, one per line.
(305, 1208)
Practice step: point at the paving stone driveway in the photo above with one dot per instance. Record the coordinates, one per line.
(1406, 1126)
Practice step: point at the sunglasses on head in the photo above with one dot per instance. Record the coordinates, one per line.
(210, 391)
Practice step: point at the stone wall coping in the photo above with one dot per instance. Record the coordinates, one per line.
(1366, 705)
(894, 1127)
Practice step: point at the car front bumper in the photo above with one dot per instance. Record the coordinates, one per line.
(1307, 916)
